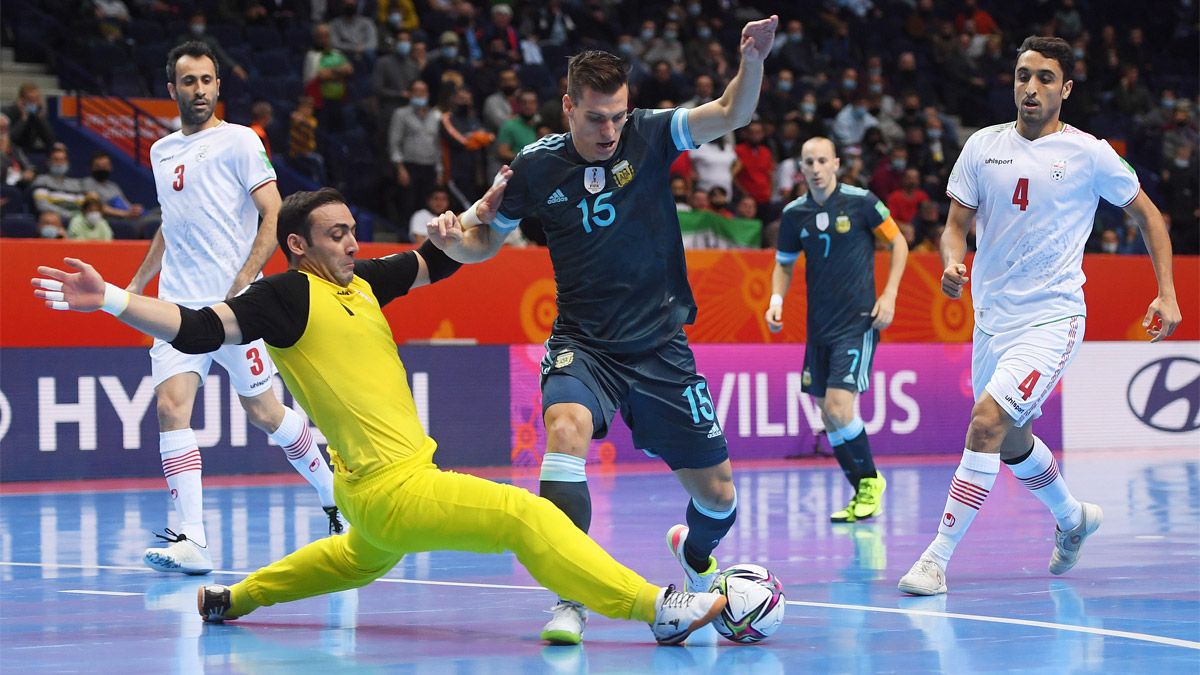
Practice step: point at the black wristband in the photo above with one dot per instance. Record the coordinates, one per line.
(440, 265)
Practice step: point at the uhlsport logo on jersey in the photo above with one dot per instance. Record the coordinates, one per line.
(1165, 394)
(1058, 170)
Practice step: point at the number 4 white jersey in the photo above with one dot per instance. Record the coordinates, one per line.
(204, 182)
(1036, 202)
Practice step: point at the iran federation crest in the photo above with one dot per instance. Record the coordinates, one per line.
(593, 179)
(1058, 170)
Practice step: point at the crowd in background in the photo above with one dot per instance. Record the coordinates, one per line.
(410, 106)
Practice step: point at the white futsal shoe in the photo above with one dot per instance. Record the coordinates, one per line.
(566, 625)
(181, 555)
(925, 578)
(1068, 544)
(679, 613)
(695, 582)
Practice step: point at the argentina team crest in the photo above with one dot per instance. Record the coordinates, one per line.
(622, 173)
(842, 225)
(1058, 170)
(593, 179)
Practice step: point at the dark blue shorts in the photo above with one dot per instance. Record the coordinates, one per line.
(840, 364)
(659, 394)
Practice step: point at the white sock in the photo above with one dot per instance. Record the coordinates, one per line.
(181, 466)
(1039, 473)
(972, 481)
(297, 443)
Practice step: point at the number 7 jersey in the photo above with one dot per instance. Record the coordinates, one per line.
(1035, 205)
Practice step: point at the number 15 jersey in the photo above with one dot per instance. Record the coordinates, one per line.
(612, 230)
(1036, 203)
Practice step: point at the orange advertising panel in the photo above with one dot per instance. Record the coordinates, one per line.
(510, 300)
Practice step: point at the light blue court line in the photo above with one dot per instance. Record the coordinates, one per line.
(1143, 637)
(83, 592)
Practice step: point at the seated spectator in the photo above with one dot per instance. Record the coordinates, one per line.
(755, 165)
(90, 224)
(680, 191)
(519, 131)
(500, 106)
(113, 202)
(302, 141)
(15, 168)
(502, 29)
(55, 190)
(398, 15)
(929, 218)
(261, 116)
(905, 201)
(889, 171)
(718, 201)
(394, 73)
(702, 92)
(50, 225)
(437, 203)
(29, 124)
(853, 121)
(746, 208)
(1110, 241)
(197, 30)
(699, 201)
(663, 85)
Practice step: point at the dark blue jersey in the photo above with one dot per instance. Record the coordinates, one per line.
(612, 231)
(838, 242)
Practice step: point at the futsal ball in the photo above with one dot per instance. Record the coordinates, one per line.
(755, 603)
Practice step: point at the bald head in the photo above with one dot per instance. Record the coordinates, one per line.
(818, 144)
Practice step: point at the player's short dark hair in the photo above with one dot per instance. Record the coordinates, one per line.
(194, 49)
(295, 215)
(1052, 48)
(599, 71)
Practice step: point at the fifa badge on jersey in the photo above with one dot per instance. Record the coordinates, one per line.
(822, 221)
(202, 153)
(564, 359)
(593, 179)
(843, 224)
(806, 378)
(1058, 170)
(622, 172)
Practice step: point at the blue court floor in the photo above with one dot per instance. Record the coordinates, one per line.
(74, 595)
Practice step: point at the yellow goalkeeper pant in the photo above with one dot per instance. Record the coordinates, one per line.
(399, 511)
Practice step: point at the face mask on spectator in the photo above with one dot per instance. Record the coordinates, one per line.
(785, 86)
(58, 169)
(694, 9)
(31, 108)
(704, 32)
(419, 101)
(403, 48)
(1168, 103)
(395, 18)
(1181, 162)
(796, 37)
(49, 232)
(1109, 247)
(1078, 53)
(670, 35)
(898, 164)
(875, 88)
(647, 34)
(859, 111)
(450, 52)
(101, 174)
(849, 85)
(934, 134)
(808, 108)
(94, 218)
(198, 29)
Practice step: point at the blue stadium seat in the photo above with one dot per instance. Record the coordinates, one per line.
(263, 38)
(15, 200)
(127, 81)
(124, 229)
(226, 33)
(145, 31)
(19, 225)
(277, 63)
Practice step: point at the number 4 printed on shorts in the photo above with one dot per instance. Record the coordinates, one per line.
(1027, 385)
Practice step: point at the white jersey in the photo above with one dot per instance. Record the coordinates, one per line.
(1036, 203)
(209, 221)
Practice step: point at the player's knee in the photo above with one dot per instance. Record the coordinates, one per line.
(568, 431)
(262, 414)
(988, 425)
(174, 412)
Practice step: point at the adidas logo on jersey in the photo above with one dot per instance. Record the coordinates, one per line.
(557, 198)
(714, 431)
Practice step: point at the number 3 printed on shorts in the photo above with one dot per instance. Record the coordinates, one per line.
(256, 364)
(178, 182)
(1026, 386)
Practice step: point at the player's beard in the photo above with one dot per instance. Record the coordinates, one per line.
(189, 117)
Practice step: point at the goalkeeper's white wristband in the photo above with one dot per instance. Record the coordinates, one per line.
(115, 300)
(776, 300)
(470, 217)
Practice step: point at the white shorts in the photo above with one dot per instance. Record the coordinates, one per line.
(249, 366)
(1021, 367)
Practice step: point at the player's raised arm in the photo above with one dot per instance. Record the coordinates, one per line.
(1163, 315)
(470, 238)
(86, 291)
(736, 106)
(954, 248)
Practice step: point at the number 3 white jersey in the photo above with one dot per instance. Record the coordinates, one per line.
(1036, 202)
(209, 220)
